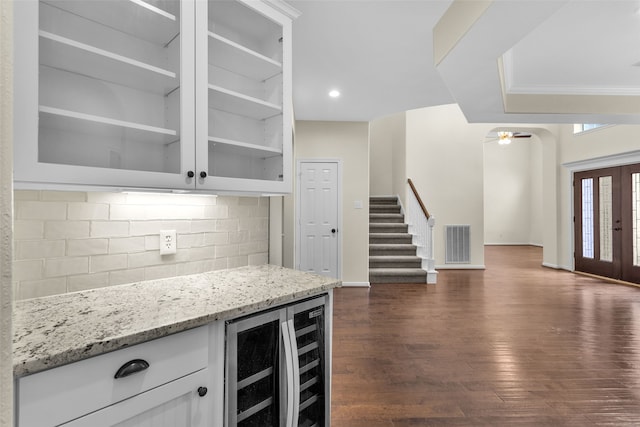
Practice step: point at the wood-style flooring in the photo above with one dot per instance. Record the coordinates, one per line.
(515, 344)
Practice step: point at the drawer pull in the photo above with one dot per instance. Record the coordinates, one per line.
(132, 367)
(202, 391)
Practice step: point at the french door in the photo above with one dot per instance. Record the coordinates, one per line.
(607, 237)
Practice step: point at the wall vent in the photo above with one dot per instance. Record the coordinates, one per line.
(458, 248)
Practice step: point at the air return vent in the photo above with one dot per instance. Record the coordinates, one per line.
(458, 249)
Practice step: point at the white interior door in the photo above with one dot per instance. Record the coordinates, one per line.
(318, 243)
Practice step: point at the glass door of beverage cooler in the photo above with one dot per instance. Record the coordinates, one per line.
(309, 324)
(253, 371)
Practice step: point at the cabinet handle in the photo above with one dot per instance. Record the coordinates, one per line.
(132, 367)
(203, 174)
(293, 373)
(191, 174)
(202, 391)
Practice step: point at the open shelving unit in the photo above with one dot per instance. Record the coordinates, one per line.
(244, 88)
(109, 75)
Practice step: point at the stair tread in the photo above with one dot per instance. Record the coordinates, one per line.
(397, 271)
(393, 245)
(392, 234)
(394, 257)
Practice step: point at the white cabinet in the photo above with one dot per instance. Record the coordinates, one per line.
(186, 95)
(161, 381)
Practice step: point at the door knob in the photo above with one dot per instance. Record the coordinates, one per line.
(203, 174)
(190, 174)
(333, 230)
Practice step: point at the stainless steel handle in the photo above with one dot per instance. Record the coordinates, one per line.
(296, 372)
(288, 357)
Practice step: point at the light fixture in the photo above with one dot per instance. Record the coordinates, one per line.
(504, 138)
(334, 93)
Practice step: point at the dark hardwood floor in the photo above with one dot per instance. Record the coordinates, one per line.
(515, 344)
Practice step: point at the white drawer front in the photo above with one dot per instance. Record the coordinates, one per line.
(61, 394)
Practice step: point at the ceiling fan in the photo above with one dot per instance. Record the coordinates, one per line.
(505, 137)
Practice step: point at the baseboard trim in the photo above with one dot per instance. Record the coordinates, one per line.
(554, 266)
(514, 244)
(356, 285)
(460, 267)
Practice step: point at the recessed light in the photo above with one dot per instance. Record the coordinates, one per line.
(334, 93)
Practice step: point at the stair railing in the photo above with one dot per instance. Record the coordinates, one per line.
(421, 225)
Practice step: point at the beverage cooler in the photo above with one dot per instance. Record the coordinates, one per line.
(277, 371)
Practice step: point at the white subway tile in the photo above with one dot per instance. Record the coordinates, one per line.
(41, 210)
(77, 247)
(84, 282)
(41, 288)
(216, 238)
(253, 247)
(55, 267)
(128, 212)
(253, 224)
(228, 200)
(216, 212)
(190, 240)
(259, 235)
(63, 196)
(249, 201)
(88, 211)
(122, 277)
(66, 229)
(160, 272)
(27, 269)
(259, 259)
(198, 254)
(108, 262)
(238, 261)
(147, 259)
(109, 228)
(220, 264)
(36, 249)
(203, 225)
(144, 228)
(241, 211)
(239, 236)
(28, 229)
(227, 225)
(180, 226)
(172, 212)
(19, 195)
(152, 243)
(193, 267)
(126, 245)
(106, 197)
(225, 251)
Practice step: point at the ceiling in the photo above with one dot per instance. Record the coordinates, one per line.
(504, 61)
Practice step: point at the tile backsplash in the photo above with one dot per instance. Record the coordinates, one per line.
(69, 241)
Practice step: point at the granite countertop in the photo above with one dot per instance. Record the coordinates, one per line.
(61, 329)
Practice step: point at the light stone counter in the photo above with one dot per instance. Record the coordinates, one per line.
(61, 329)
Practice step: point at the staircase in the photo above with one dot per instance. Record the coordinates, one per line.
(392, 257)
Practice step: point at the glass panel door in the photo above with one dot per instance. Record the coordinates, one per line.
(629, 229)
(597, 216)
(310, 324)
(253, 359)
(110, 84)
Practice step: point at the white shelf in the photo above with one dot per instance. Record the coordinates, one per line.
(244, 148)
(72, 121)
(71, 55)
(240, 59)
(243, 105)
(134, 17)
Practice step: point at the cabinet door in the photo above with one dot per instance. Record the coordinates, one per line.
(182, 402)
(243, 97)
(104, 92)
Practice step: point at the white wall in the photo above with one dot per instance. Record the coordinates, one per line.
(445, 161)
(513, 192)
(6, 210)
(349, 142)
(67, 241)
(387, 159)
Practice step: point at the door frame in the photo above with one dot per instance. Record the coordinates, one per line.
(296, 243)
(614, 160)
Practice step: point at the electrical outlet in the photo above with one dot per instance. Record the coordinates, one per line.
(167, 242)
